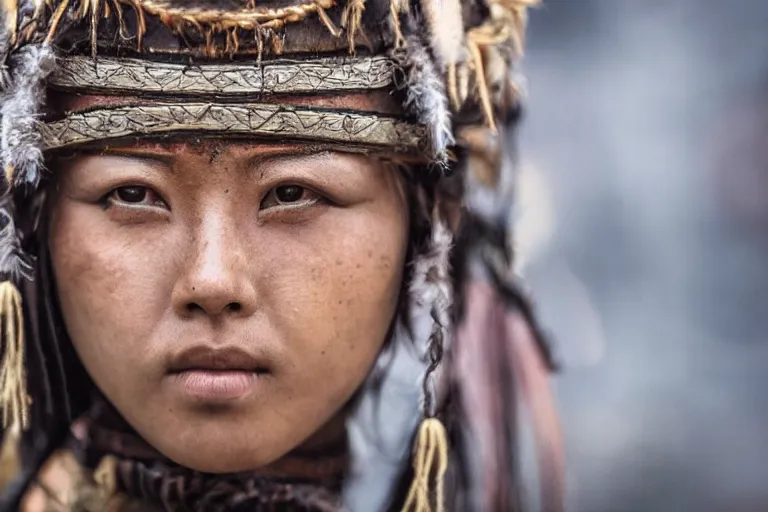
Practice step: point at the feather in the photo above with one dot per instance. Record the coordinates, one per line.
(531, 371)
(446, 30)
(486, 390)
(21, 107)
(496, 353)
(431, 287)
(431, 282)
(426, 97)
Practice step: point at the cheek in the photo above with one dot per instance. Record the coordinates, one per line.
(109, 290)
(333, 290)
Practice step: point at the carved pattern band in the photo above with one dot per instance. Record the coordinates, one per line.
(278, 77)
(254, 120)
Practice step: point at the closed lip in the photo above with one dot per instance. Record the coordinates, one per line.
(206, 358)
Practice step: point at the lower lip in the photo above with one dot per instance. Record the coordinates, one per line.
(216, 385)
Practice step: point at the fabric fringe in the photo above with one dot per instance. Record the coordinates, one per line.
(352, 20)
(21, 107)
(13, 379)
(425, 96)
(10, 461)
(395, 9)
(430, 458)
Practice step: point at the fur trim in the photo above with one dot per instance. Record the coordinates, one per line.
(426, 96)
(14, 263)
(431, 287)
(20, 150)
(431, 283)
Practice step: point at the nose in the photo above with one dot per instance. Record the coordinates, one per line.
(215, 278)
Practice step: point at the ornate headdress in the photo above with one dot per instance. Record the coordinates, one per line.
(237, 68)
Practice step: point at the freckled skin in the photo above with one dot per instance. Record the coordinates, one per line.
(314, 300)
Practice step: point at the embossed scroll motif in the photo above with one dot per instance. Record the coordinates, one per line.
(236, 120)
(279, 77)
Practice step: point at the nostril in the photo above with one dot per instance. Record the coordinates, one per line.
(193, 307)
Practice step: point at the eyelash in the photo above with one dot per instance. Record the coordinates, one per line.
(274, 193)
(113, 197)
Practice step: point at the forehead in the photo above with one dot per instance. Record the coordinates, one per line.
(211, 150)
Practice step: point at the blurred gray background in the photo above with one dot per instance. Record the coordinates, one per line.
(644, 226)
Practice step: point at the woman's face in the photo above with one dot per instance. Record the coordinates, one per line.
(228, 298)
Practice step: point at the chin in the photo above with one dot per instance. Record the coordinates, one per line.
(222, 459)
(217, 443)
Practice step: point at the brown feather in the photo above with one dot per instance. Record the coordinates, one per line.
(531, 372)
(496, 353)
(480, 372)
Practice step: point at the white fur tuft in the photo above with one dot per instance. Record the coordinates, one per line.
(446, 29)
(431, 283)
(21, 107)
(426, 96)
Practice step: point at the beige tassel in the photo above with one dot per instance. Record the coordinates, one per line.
(55, 19)
(9, 457)
(328, 22)
(352, 20)
(394, 14)
(11, 13)
(13, 379)
(10, 173)
(105, 475)
(431, 457)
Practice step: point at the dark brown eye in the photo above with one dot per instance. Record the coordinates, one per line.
(131, 194)
(135, 195)
(289, 196)
(288, 193)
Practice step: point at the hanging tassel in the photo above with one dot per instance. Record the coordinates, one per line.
(431, 456)
(105, 475)
(395, 8)
(13, 379)
(10, 461)
(352, 20)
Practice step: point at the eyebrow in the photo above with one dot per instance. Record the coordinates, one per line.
(252, 163)
(152, 157)
(301, 153)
